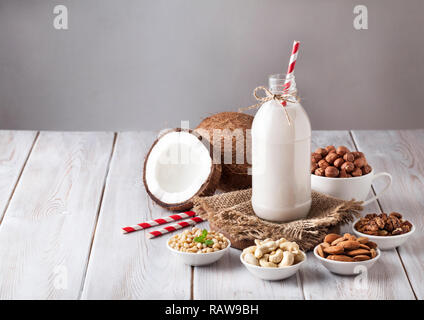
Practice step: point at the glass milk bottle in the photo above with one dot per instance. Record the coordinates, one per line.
(281, 152)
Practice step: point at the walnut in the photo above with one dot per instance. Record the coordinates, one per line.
(380, 222)
(397, 231)
(383, 224)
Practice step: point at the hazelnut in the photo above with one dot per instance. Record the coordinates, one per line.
(330, 148)
(366, 169)
(358, 154)
(342, 150)
(360, 162)
(332, 172)
(343, 174)
(323, 164)
(314, 166)
(320, 172)
(338, 162)
(315, 157)
(357, 172)
(348, 166)
(323, 152)
(331, 157)
(349, 157)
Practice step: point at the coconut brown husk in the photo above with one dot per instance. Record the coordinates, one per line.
(234, 176)
(207, 189)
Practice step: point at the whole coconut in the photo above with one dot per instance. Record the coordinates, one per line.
(231, 126)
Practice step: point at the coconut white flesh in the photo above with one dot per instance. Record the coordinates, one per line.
(178, 165)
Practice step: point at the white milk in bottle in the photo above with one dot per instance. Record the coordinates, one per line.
(281, 183)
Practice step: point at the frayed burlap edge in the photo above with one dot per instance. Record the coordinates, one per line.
(231, 213)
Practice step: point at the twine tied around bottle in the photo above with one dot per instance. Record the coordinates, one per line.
(280, 98)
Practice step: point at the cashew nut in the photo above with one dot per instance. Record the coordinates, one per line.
(280, 241)
(264, 248)
(288, 259)
(250, 249)
(265, 263)
(289, 246)
(250, 258)
(298, 257)
(276, 257)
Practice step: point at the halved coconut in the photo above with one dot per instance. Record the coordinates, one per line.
(178, 167)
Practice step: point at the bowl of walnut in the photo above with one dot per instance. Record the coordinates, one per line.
(344, 174)
(387, 230)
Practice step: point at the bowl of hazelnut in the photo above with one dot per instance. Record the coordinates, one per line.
(388, 231)
(344, 174)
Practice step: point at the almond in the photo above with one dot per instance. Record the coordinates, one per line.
(362, 240)
(320, 251)
(340, 257)
(364, 246)
(361, 257)
(349, 236)
(337, 241)
(358, 252)
(325, 245)
(371, 244)
(329, 238)
(334, 250)
(350, 244)
(373, 253)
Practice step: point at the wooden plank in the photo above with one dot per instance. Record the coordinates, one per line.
(401, 153)
(131, 266)
(47, 230)
(15, 147)
(386, 280)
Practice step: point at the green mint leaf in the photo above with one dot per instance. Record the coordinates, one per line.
(209, 242)
(204, 233)
(199, 239)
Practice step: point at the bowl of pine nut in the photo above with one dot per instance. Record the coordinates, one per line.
(197, 247)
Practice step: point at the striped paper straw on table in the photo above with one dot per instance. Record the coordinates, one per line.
(159, 221)
(292, 64)
(175, 226)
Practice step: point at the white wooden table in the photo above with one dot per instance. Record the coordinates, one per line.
(65, 195)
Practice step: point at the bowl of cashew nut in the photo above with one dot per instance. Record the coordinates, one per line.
(273, 259)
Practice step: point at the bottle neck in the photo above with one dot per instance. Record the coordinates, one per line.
(282, 84)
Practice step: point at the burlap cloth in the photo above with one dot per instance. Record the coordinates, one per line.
(231, 213)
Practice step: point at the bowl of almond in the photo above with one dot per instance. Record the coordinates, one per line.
(347, 254)
(388, 231)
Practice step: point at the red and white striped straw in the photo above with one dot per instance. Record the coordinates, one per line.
(159, 221)
(175, 226)
(292, 64)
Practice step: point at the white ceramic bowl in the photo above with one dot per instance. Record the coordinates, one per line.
(385, 242)
(356, 188)
(199, 259)
(273, 273)
(347, 268)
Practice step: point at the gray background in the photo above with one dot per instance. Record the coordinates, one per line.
(150, 64)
